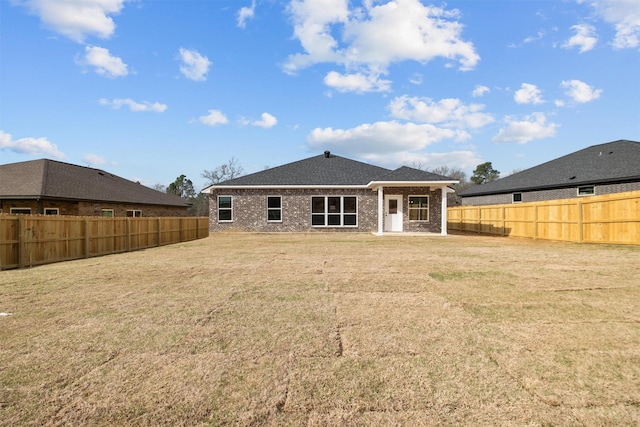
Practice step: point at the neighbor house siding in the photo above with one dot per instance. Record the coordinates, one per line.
(91, 208)
(250, 210)
(552, 194)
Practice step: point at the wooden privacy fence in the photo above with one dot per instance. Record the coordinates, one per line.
(28, 240)
(611, 218)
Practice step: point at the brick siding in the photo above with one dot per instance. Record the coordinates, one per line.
(250, 210)
(91, 208)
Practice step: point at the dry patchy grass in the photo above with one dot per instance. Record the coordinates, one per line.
(326, 329)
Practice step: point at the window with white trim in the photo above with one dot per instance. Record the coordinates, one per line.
(51, 211)
(588, 190)
(21, 211)
(108, 213)
(334, 211)
(517, 197)
(134, 213)
(418, 208)
(225, 208)
(274, 209)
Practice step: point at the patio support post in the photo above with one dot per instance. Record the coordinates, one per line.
(380, 210)
(443, 226)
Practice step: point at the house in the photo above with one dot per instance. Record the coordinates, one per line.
(608, 168)
(51, 187)
(331, 193)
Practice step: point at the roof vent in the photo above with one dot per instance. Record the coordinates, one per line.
(327, 154)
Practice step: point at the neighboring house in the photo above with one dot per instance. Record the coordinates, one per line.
(50, 187)
(608, 168)
(331, 193)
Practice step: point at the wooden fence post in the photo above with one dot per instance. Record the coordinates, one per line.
(159, 232)
(22, 256)
(127, 231)
(580, 220)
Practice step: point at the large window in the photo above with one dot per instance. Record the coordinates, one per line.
(419, 208)
(274, 209)
(225, 208)
(334, 211)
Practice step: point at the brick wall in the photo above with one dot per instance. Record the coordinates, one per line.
(91, 208)
(553, 194)
(434, 224)
(250, 210)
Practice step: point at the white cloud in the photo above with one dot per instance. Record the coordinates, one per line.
(375, 36)
(448, 112)
(380, 138)
(580, 92)
(95, 160)
(104, 63)
(534, 126)
(584, 38)
(416, 79)
(528, 94)
(454, 159)
(266, 121)
(624, 15)
(246, 13)
(30, 146)
(134, 106)
(358, 82)
(77, 19)
(215, 117)
(480, 90)
(194, 66)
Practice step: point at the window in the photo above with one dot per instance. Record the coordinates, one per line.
(225, 208)
(517, 197)
(23, 211)
(108, 213)
(588, 190)
(334, 211)
(134, 213)
(52, 211)
(274, 209)
(418, 208)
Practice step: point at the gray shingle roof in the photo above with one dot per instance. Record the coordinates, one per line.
(328, 170)
(58, 180)
(617, 161)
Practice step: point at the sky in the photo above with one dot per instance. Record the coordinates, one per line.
(153, 89)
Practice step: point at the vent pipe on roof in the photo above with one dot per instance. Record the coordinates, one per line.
(327, 154)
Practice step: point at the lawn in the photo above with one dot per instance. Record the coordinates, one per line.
(326, 329)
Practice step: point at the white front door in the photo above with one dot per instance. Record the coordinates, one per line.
(392, 213)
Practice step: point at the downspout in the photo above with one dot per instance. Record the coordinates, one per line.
(380, 210)
(443, 215)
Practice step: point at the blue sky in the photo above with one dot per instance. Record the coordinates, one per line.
(152, 89)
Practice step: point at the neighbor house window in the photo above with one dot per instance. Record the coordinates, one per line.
(24, 211)
(225, 208)
(52, 211)
(274, 209)
(418, 208)
(588, 190)
(334, 211)
(107, 213)
(517, 197)
(134, 213)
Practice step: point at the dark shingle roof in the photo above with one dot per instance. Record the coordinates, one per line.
(617, 161)
(322, 170)
(329, 170)
(58, 180)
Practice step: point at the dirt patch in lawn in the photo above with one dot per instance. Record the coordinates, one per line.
(326, 329)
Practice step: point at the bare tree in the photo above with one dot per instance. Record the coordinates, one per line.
(231, 169)
(454, 173)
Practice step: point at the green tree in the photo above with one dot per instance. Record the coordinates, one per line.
(484, 173)
(182, 187)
